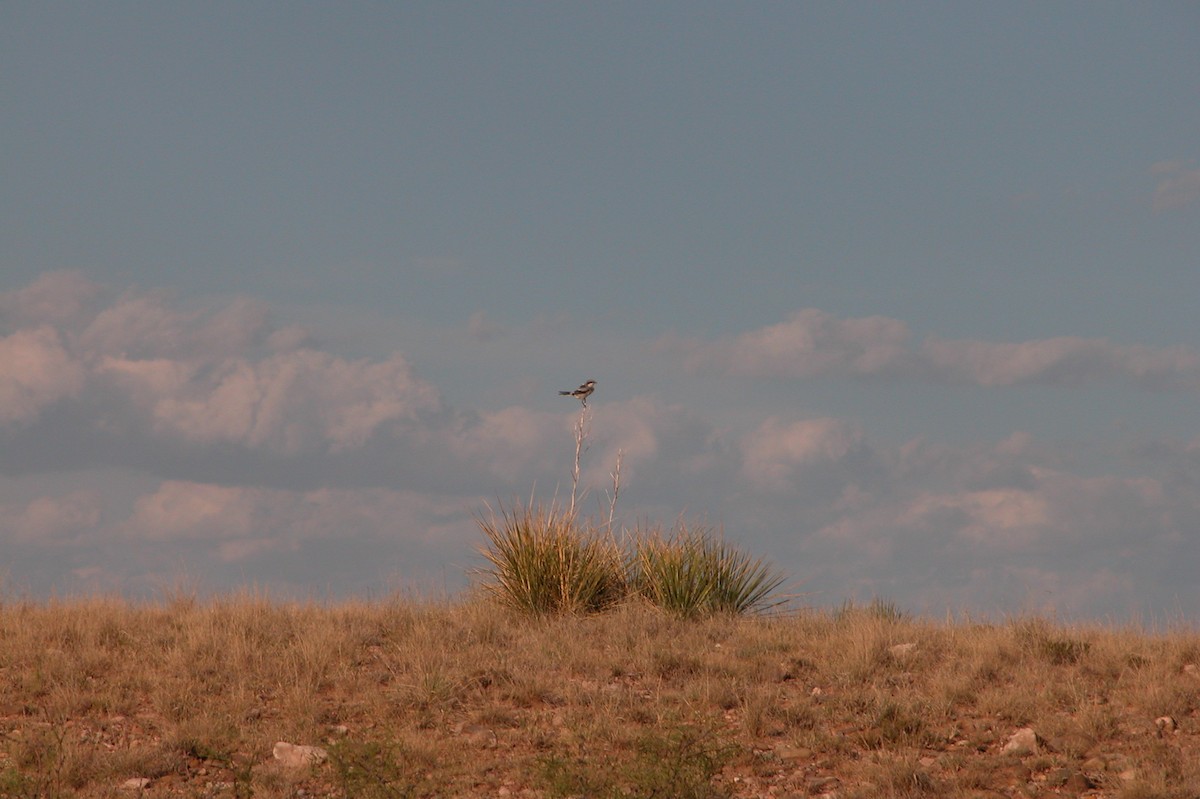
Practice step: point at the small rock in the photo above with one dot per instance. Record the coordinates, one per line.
(901, 651)
(821, 785)
(1192, 669)
(297, 755)
(793, 754)
(1165, 724)
(136, 783)
(1073, 744)
(341, 730)
(1094, 765)
(1022, 742)
(1079, 782)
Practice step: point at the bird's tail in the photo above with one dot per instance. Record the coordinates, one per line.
(564, 393)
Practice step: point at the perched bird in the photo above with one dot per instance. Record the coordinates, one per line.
(581, 393)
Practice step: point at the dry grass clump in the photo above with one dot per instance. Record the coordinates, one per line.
(472, 699)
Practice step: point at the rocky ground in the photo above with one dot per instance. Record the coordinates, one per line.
(102, 699)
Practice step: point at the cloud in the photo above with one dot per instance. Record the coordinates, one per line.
(36, 371)
(220, 374)
(150, 324)
(1178, 186)
(777, 453)
(55, 298)
(243, 452)
(482, 329)
(509, 443)
(813, 343)
(967, 527)
(345, 541)
(1063, 361)
(55, 520)
(290, 403)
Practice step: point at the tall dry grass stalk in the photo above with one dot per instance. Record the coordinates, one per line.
(616, 489)
(582, 428)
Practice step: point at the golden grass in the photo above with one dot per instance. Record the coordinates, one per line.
(470, 699)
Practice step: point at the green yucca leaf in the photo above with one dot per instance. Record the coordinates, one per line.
(542, 562)
(695, 571)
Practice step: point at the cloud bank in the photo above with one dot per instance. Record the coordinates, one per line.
(813, 343)
(1178, 185)
(144, 437)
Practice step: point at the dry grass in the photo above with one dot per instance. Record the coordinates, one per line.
(470, 699)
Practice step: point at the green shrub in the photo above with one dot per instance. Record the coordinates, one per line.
(372, 770)
(694, 572)
(543, 562)
(880, 609)
(681, 763)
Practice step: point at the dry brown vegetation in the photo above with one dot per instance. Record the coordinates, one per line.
(469, 699)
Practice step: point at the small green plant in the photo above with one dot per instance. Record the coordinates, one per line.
(18, 785)
(695, 572)
(682, 763)
(543, 561)
(371, 770)
(1063, 651)
(881, 609)
(897, 725)
(1039, 637)
(41, 766)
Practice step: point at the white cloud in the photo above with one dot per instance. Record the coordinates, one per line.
(50, 521)
(813, 344)
(248, 522)
(508, 443)
(995, 516)
(35, 372)
(288, 403)
(1178, 186)
(55, 298)
(1062, 361)
(775, 455)
(216, 375)
(149, 324)
(482, 329)
(255, 456)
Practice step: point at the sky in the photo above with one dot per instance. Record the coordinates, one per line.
(900, 297)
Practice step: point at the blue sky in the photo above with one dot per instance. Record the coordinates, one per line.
(904, 296)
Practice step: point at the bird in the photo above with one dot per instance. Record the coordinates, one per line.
(581, 393)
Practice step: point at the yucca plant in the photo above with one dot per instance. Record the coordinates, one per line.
(695, 572)
(667, 572)
(543, 561)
